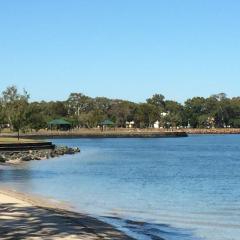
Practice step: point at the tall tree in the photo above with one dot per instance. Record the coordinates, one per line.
(15, 105)
(157, 100)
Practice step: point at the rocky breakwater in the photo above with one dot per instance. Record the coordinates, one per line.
(16, 157)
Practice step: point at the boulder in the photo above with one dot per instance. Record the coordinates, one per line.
(37, 154)
(27, 158)
(76, 149)
(2, 159)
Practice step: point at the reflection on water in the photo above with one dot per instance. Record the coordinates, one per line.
(175, 188)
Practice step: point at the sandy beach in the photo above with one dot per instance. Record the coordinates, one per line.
(28, 217)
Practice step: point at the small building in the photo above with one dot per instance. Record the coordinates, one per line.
(164, 114)
(106, 124)
(59, 124)
(156, 124)
(130, 124)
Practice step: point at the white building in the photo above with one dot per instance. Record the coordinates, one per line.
(130, 124)
(156, 124)
(164, 114)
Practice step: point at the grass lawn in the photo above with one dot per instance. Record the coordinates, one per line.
(15, 140)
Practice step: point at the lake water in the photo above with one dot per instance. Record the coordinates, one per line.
(174, 188)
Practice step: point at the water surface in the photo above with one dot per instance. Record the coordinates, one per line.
(175, 188)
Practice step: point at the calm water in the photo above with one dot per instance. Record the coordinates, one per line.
(176, 188)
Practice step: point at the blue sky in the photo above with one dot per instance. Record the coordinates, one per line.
(126, 49)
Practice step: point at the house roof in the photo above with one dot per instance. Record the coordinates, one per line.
(107, 122)
(59, 122)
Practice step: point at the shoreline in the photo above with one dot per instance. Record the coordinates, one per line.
(96, 133)
(213, 131)
(25, 216)
(122, 133)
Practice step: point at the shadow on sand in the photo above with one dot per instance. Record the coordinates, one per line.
(17, 222)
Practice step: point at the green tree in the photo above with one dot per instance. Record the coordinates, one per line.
(15, 105)
(193, 109)
(121, 111)
(157, 100)
(175, 114)
(35, 117)
(146, 115)
(2, 116)
(78, 103)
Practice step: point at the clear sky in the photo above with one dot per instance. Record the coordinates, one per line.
(126, 49)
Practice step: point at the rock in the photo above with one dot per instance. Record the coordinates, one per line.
(65, 150)
(26, 158)
(69, 151)
(76, 149)
(2, 158)
(36, 154)
(53, 154)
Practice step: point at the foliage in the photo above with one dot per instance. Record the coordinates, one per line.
(35, 117)
(83, 111)
(15, 105)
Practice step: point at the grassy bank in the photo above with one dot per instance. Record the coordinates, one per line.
(14, 140)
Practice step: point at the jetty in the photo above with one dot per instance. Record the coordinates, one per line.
(26, 146)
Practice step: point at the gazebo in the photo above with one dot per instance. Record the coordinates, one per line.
(106, 123)
(59, 124)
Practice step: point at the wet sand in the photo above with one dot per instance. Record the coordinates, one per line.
(28, 217)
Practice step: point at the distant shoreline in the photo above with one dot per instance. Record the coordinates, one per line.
(213, 131)
(96, 133)
(123, 133)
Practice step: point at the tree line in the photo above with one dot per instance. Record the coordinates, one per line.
(216, 111)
